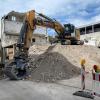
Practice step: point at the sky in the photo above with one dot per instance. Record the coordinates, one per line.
(77, 12)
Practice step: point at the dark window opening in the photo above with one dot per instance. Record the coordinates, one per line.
(97, 28)
(88, 29)
(33, 40)
(6, 17)
(82, 31)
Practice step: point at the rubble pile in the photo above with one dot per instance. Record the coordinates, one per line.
(58, 62)
(74, 53)
(51, 66)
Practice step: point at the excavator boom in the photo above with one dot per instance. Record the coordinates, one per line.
(29, 26)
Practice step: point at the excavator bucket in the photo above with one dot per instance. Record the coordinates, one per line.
(9, 73)
(15, 74)
(17, 69)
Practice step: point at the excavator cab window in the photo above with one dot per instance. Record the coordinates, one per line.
(69, 28)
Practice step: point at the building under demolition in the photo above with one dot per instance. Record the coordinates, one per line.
(11, 25)
(91, 33)
(10, 28)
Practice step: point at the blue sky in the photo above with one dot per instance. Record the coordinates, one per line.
(77, 12)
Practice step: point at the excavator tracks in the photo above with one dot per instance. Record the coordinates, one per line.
(10, 72)
(17, 70)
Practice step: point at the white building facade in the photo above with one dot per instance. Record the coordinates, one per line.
(91, 34)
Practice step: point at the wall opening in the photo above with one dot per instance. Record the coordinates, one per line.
(33, 40)
(97, 28)
(13, 18)
(82, 31)
(88, 29)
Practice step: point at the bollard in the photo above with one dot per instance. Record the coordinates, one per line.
(96, 80)
(83, 74)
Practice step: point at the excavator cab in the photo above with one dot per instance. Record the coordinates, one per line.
(71, 35)
(70, 29)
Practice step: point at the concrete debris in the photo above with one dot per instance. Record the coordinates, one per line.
(51, 66)
(57, 62)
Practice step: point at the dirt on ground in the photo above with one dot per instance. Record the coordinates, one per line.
(58, 62)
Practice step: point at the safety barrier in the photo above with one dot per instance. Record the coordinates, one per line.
(83, 92)
(82, 75)
(95, 83)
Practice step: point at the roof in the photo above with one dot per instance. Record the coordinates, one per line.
(90, 24)
(16, 13)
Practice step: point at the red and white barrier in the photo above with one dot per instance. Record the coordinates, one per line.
(96, 83)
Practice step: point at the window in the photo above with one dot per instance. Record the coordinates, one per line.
(33, 40)
(82, 31)
(88, 29)
(13, 18)
(97, 28)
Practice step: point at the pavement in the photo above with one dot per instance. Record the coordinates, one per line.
(29, 90)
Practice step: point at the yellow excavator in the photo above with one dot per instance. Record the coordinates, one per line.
(19, 67)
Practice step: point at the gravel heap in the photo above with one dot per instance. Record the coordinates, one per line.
(51, 66)
(58, 62)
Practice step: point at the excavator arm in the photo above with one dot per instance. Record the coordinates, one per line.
(29, 26)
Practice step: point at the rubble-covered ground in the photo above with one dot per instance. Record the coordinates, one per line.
(53, 63)
(59, 62)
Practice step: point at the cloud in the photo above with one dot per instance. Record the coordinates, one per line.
(96, 18)
(78, 12)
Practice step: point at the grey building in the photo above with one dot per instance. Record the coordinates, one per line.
(10, 28)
